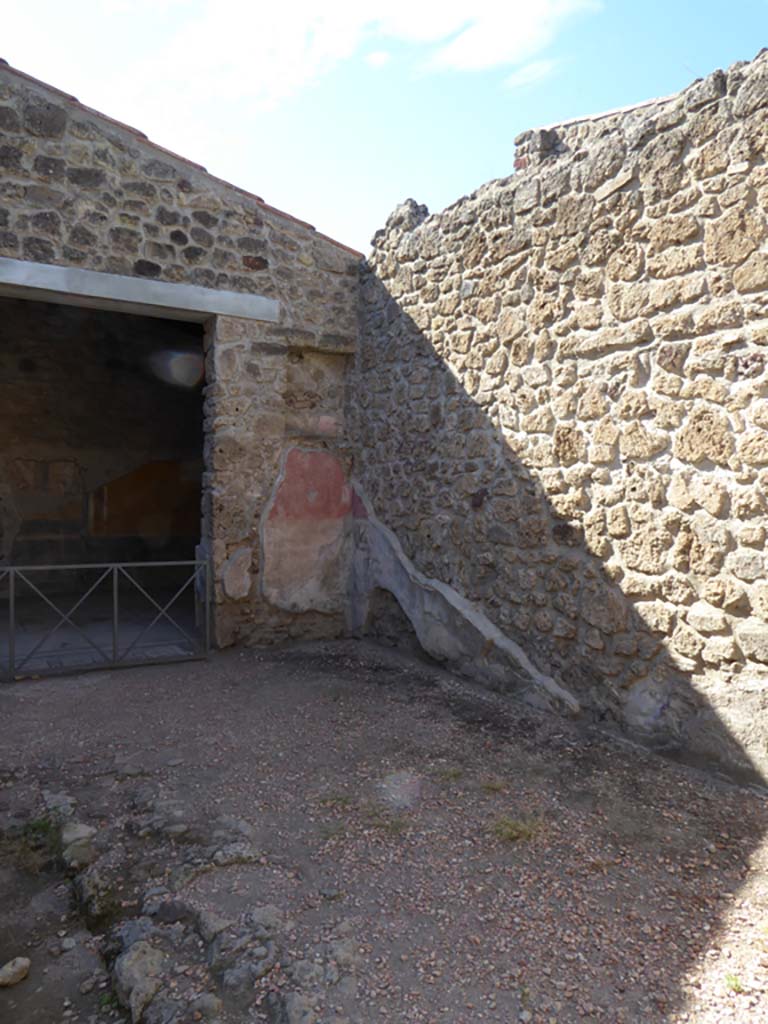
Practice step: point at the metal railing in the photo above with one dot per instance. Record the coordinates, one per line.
(124, 641)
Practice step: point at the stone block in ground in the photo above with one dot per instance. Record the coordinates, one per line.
(289, 1008)
(400, 790)
(14, 971)
(138, 977)
(77, 843)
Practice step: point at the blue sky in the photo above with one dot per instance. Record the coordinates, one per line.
(336, 111)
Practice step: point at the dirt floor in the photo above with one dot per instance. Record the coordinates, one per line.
(337, 833)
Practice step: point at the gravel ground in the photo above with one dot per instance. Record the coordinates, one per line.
(431, 853)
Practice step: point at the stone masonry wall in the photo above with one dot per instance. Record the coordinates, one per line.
(78, 189)
(561, 408)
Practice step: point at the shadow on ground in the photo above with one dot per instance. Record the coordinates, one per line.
(374, 839)
(644, 911)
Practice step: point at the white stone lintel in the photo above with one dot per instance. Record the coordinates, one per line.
(72, 286)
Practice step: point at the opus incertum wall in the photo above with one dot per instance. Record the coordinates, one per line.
(93, 214)
(561, 411)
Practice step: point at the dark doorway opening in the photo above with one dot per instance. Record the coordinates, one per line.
(101, 437)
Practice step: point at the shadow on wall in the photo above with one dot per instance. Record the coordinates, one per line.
(532, 585)
(494, 580)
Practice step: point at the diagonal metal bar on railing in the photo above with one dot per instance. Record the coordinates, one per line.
(200, 578)
(63, 617)
(162, 612)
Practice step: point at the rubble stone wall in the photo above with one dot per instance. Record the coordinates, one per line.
(78, 189)
(561, 407)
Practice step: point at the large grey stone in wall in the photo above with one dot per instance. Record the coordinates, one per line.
(236, 574)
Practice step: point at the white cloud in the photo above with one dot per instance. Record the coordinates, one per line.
(531, 73)
(378, 58)
(499, 34)
(428, 21)
(244, 52)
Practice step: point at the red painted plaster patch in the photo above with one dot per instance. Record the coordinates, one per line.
(313, 487)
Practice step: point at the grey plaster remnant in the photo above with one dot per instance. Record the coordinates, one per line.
(236, 573)
(448, 626)
(74, 286)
